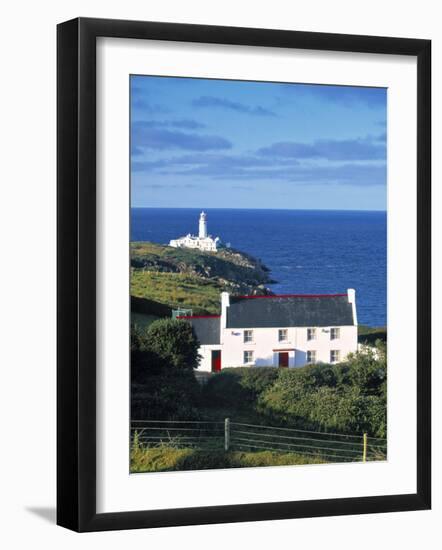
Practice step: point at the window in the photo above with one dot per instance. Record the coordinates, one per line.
(248, 357)
(248, 336)
(334, 356)
(311, 334)
(282, 335)
(311, 356)
(334, 333)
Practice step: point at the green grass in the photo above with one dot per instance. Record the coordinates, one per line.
(148, 250)
(178, 290)
(165, 459)
(369, 335)
(187, 278)
(151, 251)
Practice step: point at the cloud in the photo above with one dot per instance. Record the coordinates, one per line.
(347, 96)
(369, 148)
(139, 100)
(148, 137)
(204, 163)
(344, 174)
(143, 104)
(249, 168)
(217, 102)
(136, 151)
(148, 185)
(188, 124)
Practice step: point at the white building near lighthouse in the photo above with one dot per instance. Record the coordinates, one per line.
(285, 331)
(203, 241)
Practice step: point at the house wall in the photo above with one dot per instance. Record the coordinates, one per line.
(347, 343)
(206, 357)
(265, 341)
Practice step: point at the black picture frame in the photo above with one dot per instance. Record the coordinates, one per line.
(76, 270)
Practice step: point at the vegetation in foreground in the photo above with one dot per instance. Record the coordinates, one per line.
(347, 398)
(163, 459)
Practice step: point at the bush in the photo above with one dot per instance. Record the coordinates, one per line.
(348, 397)
(143, 362)
(166, 397)
(238, 387)
(367, 370)
(163, 356)
(174, 342)
(165, 346)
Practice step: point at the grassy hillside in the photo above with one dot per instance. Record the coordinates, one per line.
(187, 278)
(227, 264)
(178, 290)
(369, 335)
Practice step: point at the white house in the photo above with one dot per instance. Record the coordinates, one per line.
(203, 241)
(281, 331)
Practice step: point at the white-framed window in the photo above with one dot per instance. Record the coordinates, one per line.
(311, 334)
(334, 356)
(283, 335)
(335, 333)
(248, 336)
(311, 356)
(248, 357)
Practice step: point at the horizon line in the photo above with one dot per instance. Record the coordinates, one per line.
(257, 208)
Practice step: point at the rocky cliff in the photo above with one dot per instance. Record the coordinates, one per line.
(235, 270)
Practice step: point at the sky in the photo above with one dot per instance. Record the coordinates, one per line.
(206, 143)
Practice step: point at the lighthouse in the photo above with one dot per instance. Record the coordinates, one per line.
(203, 226)
(203, 241)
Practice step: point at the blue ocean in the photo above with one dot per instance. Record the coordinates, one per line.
(307, 251)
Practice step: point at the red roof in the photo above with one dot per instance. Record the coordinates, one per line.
(290, 296)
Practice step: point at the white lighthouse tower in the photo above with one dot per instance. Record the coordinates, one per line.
(203, 225)
(203, 241)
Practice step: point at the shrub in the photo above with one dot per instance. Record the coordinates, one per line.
(366, 370)
(163, 356)
(166, 397)
(165, 346)
(174, 342)
(238, 387)
(256, 380)
(143, 361)
(347, 397)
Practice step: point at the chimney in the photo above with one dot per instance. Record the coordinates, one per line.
(351, 293)
(225, 303)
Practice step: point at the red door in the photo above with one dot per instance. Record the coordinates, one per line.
(216, 360)
(283, 358)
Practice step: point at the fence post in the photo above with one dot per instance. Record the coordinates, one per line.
(364, 450)
(226, 434)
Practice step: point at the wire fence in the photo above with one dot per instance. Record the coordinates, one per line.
(229, 435)
(202, 435)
